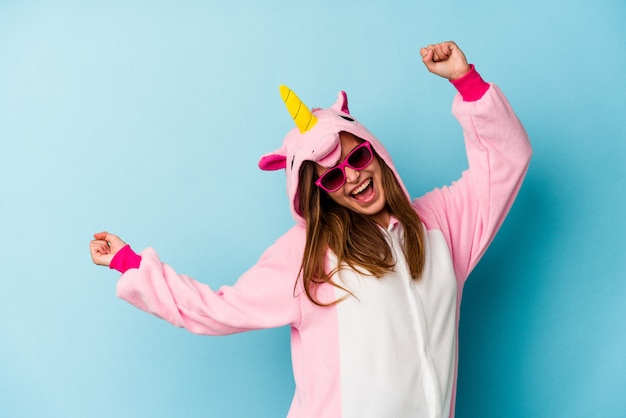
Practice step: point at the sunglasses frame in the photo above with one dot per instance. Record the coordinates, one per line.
(341, 166)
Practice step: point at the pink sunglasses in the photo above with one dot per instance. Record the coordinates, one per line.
(359, 158)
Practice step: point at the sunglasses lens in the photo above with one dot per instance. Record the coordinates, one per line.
(360, 158)
(332, 179)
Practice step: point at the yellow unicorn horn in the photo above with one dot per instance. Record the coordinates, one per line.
(301, 114)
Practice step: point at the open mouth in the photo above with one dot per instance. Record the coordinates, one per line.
(364, 191)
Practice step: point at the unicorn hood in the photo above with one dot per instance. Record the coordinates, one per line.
(316, 138)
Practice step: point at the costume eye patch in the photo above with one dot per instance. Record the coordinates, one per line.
(349, 119)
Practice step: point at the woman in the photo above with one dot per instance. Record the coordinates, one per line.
(369, 281)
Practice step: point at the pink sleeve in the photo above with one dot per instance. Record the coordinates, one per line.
(262, 298)
(471, 86)
(125, 259)
(470, 211)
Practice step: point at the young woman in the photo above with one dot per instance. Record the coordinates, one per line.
(369, 281)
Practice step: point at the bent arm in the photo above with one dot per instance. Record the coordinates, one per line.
(471, 210)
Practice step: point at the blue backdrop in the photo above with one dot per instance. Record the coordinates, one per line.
(147, 118)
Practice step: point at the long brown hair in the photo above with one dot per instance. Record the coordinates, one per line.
(355, 239)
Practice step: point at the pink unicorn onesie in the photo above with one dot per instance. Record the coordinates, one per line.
(390, 347)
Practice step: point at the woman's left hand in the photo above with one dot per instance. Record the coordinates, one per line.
(446, 60)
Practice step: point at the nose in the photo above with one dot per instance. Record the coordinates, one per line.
(352, 175)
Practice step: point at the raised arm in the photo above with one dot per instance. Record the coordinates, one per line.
(470, 211)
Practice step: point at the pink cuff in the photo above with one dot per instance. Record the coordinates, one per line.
(125, 259)
(471, 86)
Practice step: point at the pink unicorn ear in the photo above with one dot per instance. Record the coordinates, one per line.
(271, 162)
(341, 105)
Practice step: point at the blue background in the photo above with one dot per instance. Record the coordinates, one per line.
(147, 119)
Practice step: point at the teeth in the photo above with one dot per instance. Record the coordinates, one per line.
(361, 187)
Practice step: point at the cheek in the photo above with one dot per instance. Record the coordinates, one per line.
(337, 196)
(340, 198)
(376, 170)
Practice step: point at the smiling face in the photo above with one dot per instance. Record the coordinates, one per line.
(363, 190)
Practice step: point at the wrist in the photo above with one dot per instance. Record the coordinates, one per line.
(461, 74)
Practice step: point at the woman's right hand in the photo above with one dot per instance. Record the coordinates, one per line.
(103, 248)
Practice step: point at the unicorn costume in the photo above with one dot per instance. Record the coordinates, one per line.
(391, 349)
